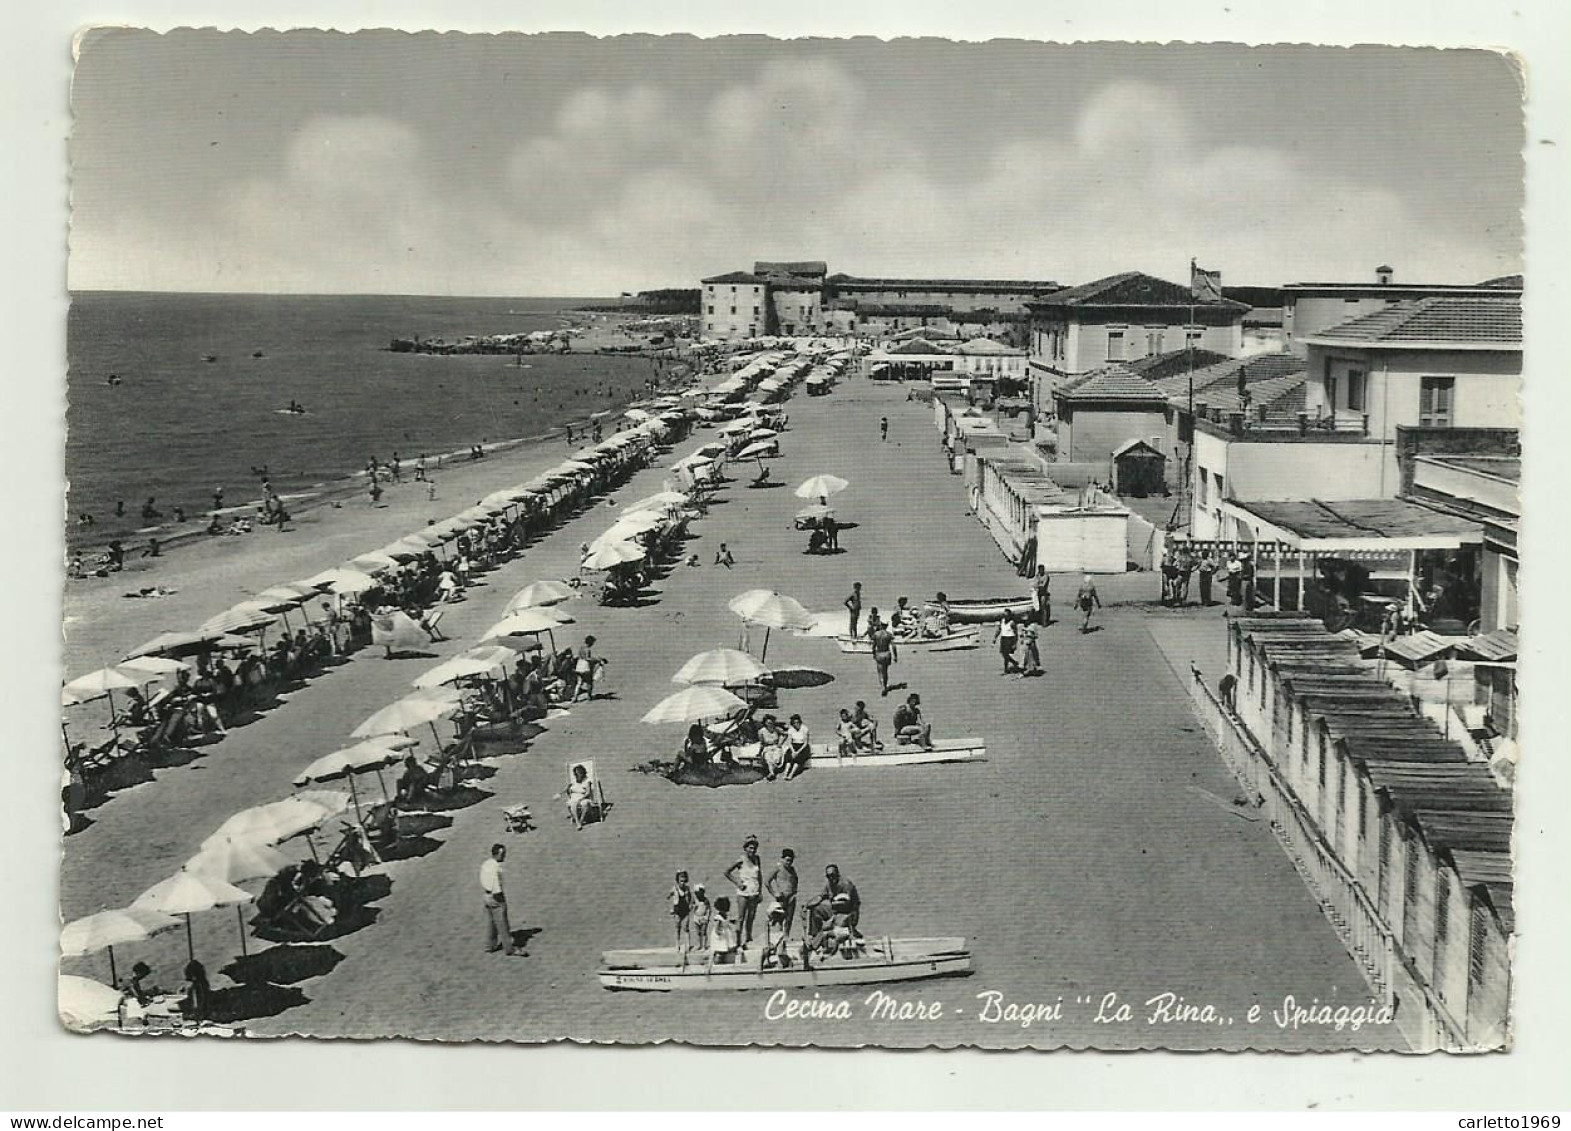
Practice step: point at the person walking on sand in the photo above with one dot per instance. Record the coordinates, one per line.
(883, 428)
(499, 929)
(747, 876)
(376, 492)
(1006, 637)
(853, 605)
(884, 653)
(1086, 600)
(1031, 657)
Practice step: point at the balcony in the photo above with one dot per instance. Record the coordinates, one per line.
(1277, 428)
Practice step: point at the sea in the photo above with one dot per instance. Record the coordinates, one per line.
(203, 380)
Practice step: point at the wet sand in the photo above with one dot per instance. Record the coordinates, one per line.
(1094, 852)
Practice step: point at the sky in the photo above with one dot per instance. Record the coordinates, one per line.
(385, 162)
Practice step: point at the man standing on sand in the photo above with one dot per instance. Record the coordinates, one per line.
(1086, 600)
(1042, 590)
(883, 428)
(499, 930)
(853, 606)
(1006, 637)
(747, 875)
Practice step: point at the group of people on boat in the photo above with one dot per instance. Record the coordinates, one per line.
(727, 930)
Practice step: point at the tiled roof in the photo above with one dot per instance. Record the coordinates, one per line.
(1002, 286)
(1361, 519)
(735, 277)
(1504, 282)
(1262, 367)
(1159, 365)
(1470, 320)
(804, 268)
(1112, 383)
(1130, 288)
(1223, 396)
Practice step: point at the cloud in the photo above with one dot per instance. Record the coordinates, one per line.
(624, 186)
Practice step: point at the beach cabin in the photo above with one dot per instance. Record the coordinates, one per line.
(1139, 469)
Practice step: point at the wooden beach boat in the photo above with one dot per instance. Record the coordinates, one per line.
(982, 610)
(827, 756)
(968, 637)
(661, 969)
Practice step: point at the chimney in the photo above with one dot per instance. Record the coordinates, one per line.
(1235, 423)
(1303, 424)
(1383, 275)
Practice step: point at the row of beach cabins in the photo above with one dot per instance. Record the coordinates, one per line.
(1401, 829)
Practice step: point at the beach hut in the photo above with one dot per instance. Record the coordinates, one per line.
(1139, 469)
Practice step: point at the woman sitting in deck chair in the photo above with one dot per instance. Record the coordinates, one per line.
(585, 802)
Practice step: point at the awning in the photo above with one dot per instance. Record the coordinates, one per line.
(1344, 527)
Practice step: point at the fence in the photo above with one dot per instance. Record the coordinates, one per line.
(1423, 1020)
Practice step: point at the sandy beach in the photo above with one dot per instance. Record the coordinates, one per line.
(1095, 852)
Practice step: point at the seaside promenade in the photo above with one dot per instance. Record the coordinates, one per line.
(1095, 852)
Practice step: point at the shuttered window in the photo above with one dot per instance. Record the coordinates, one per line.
(1442, 929)
(1477, 941)
(1385, 864)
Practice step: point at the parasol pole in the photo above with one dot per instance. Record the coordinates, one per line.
(190, 942)
(114, 977)
(381, 781)
(765, 653)
(355, 797)
(240, 918)
(114, 722)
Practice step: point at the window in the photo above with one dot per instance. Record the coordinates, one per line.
(1363, 813)
(1355, 390)
(711, 310)
(1153, 339)
(1115, 345)
(1436, 396)
(1331, 391)
(1219, 495)
(1477, 941)
(755, 312)
(1202, 477)
(1320, 759)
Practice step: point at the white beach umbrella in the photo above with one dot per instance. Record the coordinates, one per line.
(770, 609)
(421, 708)
(101, 682)
(374, 561)
(695, 704)
(821, 486)
(362, 757)
(86, 1004)
(276, 820)
(109, 929)
(660, 500)
(539, 593)
(343, 581)
(153, 667)
(186, 893)
(762, 434)
(608, 554)
(244, 617)
(168, 642)
(236, 862)
(724, 666)
(477, 661)
(757, 451)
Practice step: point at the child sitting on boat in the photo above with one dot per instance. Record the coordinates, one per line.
(723, 944)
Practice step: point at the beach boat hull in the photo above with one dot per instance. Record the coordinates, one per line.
(986, 609)
(827, 757)
(966, 638)
(660, 970)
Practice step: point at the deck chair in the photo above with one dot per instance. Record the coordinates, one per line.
(595, 804)
(517, 819)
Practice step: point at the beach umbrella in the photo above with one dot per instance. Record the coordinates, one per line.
(86, 1004)
(530, 622)
(540, 593)
(153, 667)
(475, 662)
(109, 929)
(236, 862)
(762, 434)
(305, 590)
(423, 707)
(243, 617)
(104, 681)
(186, 893)
(349, 581)
(725, 666)
(363, 757)
(695, 704)
(821, 486)
(636, 522)
(757, 451)
(167, 643)
(375, 561)
(770, 609)
(637, 415)
(279, 598)
(278, 820)
(658, 501)
(611, 553)
(401, 553)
